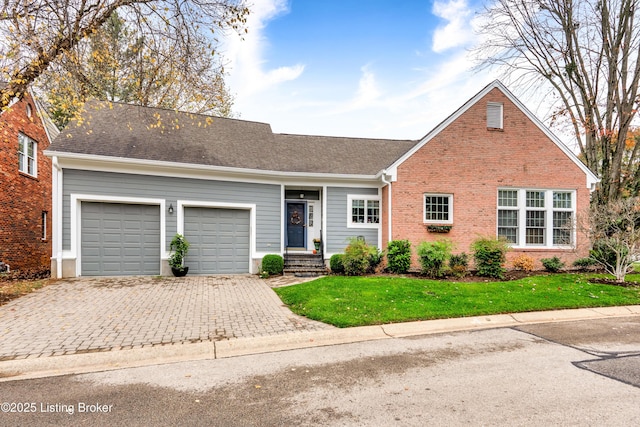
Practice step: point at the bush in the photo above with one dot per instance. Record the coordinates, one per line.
(490, 255)
(433, 257)
(375, 258)
(399, 256)
(272, 264)
(523, 262)
(585, 262)
(458, 264)
(360, 258)
(552, 264)
(336, 263)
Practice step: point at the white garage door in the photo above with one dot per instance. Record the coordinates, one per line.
(119, 239)
(219, 240)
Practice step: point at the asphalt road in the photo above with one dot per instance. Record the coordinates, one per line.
(584, 373)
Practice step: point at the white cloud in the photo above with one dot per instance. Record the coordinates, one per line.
(246, 67)
(457, 31)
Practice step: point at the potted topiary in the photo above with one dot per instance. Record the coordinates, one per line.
(180, 246)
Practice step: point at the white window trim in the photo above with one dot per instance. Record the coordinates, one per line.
(26, 139)
(548, 209)
(424, 208)
(368, 198)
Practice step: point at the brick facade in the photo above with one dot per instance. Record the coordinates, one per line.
(23, 198)
(471, 162)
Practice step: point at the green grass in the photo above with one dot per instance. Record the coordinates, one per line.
(357, 301)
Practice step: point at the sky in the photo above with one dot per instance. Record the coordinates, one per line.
(359, 68)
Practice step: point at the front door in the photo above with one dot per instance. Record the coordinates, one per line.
(296, 225)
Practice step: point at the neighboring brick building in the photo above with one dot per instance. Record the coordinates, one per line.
(25, 186)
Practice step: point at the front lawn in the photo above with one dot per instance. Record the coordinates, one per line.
(372, 300)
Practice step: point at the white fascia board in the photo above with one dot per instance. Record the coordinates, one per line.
(592, 179)
(185, 170)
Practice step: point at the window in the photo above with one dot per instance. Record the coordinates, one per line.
(562, 218)
(494, 115)
(365, 211)
(44, 225)
(548, 217)
(535, 227)
(438, 208)
(27, 149)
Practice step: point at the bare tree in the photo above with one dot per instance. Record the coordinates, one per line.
(36, 34)
(586, 55)
(614, 229)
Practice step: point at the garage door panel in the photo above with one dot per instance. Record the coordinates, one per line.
(120, 239)
(219, 240)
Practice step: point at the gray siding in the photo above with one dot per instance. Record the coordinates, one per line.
(337, 213)
(266, 197)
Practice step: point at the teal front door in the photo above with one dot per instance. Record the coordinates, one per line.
(296, 225)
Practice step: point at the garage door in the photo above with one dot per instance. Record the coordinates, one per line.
(219, 240)
(120, 239)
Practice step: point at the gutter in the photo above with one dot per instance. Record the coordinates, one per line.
(389, 201)
(56, 201)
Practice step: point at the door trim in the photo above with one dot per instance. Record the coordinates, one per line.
(75, 219)
(221, 205)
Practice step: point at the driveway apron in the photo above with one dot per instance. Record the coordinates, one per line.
(86, 315)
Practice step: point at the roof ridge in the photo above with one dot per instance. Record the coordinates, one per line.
(359, 138)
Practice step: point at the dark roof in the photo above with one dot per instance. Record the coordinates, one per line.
(129, 131)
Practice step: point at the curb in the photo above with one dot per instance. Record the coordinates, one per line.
(42, 367)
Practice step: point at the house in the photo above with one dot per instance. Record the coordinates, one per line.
(127, 178)
(25, 185)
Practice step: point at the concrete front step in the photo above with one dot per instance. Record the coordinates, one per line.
(304, 264)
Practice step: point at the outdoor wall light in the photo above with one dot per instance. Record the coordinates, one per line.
(170, 208)
(302, 195)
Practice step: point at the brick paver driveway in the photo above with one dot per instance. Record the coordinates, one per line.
(99, 314)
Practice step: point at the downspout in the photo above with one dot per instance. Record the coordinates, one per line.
(384, 181)
(56, 201)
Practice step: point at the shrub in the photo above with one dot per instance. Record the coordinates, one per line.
(375, 258)
(399, 256)
(490, 255)
(585, 262)
(523, 262)
(179, 246)
(272, 264)
(552, 264)
(359, 257)
(336, 263)
(433, 257)
(458, 264)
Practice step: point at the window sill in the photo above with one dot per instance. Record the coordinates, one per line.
(26, 175)
(543, 248)
(364, 225)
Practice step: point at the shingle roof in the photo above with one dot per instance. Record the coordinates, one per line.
(129, 131)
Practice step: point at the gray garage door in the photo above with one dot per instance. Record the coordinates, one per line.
(219, 240)
(120, 239)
